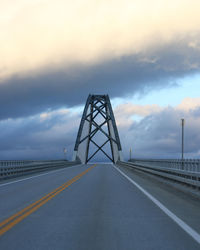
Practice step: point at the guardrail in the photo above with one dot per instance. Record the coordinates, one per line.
(26, 162)
(169, 169)
(186, 164)
(10, 169)
(15, 163)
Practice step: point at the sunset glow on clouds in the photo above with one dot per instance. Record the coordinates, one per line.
(54, 53)
(37, 35)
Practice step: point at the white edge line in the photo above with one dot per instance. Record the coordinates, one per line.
(176, 219)
(35, 176)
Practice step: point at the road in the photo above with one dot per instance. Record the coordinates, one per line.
(85, 207)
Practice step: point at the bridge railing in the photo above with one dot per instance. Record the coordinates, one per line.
(15, 163)
(10, 169)
(189, 165)
(187, 171)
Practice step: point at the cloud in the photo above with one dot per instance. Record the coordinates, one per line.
(53, 54)
(158, 134)
(189, 104)
(39, 137)
(36, 34)
(23, 96)
(128, 111)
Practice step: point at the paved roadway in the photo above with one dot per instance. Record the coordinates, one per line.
(97, 210)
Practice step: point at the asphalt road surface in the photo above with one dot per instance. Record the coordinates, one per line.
(90, 207)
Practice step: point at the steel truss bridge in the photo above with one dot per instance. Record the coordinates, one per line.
(139, 204)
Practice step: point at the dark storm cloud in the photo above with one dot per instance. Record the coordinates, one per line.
(127, 75)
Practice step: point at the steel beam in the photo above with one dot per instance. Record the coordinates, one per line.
(97, 106)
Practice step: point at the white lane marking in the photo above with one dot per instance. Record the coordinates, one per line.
(176, 219)
(35, 176)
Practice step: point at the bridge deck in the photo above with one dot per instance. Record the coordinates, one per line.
(100, 210)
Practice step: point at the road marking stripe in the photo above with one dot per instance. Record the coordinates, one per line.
(16, 218)
(30, 206)
(181, 223)
(35, 176)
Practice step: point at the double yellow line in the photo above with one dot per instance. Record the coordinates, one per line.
(22, 214)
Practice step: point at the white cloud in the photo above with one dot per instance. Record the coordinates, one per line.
(189, 103)
(48, 115)
(126, 112)
(41, 34)
(132, 109)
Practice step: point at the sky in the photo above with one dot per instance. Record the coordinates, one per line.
(144, 54)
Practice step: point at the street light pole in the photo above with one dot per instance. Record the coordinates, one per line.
(182, 151)
(130, 153)
(65, 152)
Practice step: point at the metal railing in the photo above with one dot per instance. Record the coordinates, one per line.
(15, 163)
(186, 171)
(10, 169)
(189, 165)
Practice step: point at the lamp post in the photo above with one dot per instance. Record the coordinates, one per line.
(130, 153)
(182, 144)
(65, 152)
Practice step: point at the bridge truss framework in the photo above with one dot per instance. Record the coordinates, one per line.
(97, 106)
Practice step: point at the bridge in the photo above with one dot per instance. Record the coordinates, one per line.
(74, 205)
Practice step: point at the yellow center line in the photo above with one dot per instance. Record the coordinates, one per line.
(35, 203)
(19, 216)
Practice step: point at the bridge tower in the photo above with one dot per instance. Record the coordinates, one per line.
(97, 118)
